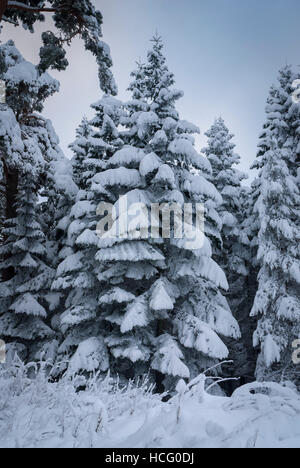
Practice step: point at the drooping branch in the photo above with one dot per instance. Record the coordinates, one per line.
(7, 5)
(22, 6)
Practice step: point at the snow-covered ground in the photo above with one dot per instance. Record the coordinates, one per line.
(36, 413)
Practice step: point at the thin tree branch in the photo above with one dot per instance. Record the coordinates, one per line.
(221, 381)
(24, 7)
(75, 33)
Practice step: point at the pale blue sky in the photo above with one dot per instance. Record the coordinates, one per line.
(225, 54)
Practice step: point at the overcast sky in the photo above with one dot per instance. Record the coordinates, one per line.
(225, 54)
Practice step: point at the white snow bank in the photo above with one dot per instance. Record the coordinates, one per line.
(39, 414)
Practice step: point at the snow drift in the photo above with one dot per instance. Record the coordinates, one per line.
(35, 413)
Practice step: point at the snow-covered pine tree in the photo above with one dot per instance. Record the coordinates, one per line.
(26, 91)
(23, 311)
(277, 301)
(79, 320)
(249, 236)
(59, 190)
(231, 251)
(281, 124)
(80, 148)
(227, 179)
(30, 156)
(162, 298)
(277, 203)
(282, 119)
(58, 195)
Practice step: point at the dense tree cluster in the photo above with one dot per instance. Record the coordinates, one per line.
(99, 290)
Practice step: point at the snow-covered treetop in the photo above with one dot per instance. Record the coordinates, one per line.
(95, 139)
(153, 84)
(220, 148)
(157, 68)
(282, 115)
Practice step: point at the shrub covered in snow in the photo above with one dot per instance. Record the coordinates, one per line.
(38, 413)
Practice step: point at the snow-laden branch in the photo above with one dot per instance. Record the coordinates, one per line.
(23, 6)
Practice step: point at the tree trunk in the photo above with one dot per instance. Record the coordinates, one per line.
(159, 378)
(3, 7)
(12, 179)
(11, 190)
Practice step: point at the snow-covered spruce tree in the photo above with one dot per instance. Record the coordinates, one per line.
(277, 202)
(29, 155)
(80, 148)
(277, 301)
(58, 196)
(231, 251)
(161, 298)
(282, 117)
(23, 310)
(249, 235)
(227, 179)
(282, 120)
(59, 190)
(78, 319)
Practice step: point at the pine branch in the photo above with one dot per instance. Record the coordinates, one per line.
(24, 7)
(8, 5)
